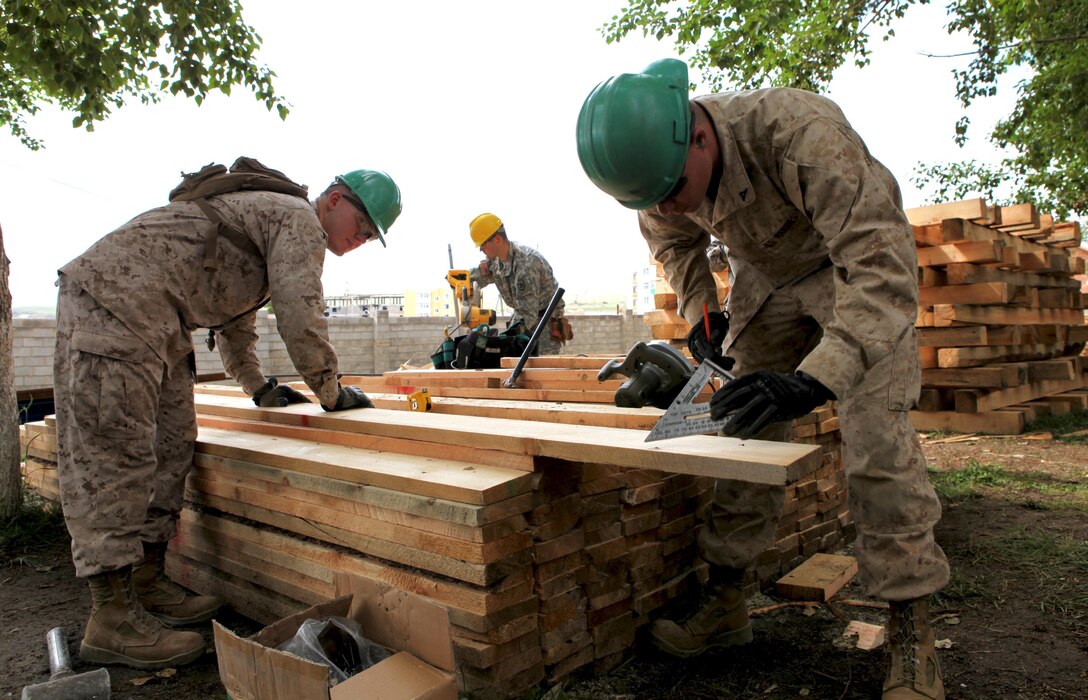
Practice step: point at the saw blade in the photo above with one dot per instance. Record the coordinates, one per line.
(684, 416)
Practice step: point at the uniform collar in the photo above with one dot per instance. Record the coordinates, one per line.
(503, 267)
(735, 189)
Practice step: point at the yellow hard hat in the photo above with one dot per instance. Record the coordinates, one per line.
(483, 227)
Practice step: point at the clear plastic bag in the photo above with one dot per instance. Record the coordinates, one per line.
(337, 642)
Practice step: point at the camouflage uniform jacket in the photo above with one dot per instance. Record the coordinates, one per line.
(799, 192)
(149, 273)
(525, 283)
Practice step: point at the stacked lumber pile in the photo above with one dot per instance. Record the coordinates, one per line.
(1000, 318)
(547, 527)
(665, 321)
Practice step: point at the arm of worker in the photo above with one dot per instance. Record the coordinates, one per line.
(237, 344)
(679, 244)
(855, 205)
(481, 274)
(295, 259)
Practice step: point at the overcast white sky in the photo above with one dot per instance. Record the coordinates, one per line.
(469, 106)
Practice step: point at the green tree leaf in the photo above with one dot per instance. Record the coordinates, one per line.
(90, 56)
(799, 43)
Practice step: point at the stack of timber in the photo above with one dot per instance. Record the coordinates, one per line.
(1001, 317)
(548, 528)
(665, 321)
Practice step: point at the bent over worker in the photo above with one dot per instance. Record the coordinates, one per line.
(822, 307)
(523, 277)
(124, 370)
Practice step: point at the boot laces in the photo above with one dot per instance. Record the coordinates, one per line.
(142, 619)
(906, 640)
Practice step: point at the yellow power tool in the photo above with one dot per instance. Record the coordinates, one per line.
(466, 299)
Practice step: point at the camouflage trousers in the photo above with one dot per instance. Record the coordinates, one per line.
(126, 429)
(893, 505)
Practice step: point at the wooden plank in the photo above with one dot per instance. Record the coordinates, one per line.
(945, 314)
(977, 356)
(818, 578)
(317, 487)
(966, 273)
(964, 252)
(468, 605)
(371, 383)
(447, 479)
(480, 574)
(1000, 398)
(594, 362)
(975, 377)
(960, 229)
(976, 336)
(1018, 215)
(479, 545)
(700, 455)
(992, 423)
(975, 209)
(981, 293)
(419, 448)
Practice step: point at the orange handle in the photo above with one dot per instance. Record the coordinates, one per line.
(706, 320)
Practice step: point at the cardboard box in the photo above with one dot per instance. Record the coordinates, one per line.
(416, 629)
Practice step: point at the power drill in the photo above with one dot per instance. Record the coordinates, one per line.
(656, 373)
(465, 292)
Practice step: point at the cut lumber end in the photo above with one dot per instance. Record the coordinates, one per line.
(868, 636)
(818, 578)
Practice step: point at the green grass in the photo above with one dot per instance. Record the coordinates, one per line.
(1057, 563)
(1060, 425)
(38, 526)
(1036, 489)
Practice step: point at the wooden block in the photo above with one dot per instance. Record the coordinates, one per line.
(819, 578)
(868, 636)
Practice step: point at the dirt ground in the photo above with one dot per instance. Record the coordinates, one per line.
(1014, 618)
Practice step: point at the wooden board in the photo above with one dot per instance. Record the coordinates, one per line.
(321, 489)
(993, 423)
(974, 209)
(750, 460)
(818, 578)
(436, 477)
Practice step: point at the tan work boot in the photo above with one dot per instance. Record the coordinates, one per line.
(913, 672)
(163, 598)
(121, 632)
(721, 621)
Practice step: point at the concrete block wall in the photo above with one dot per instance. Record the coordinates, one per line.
(364, 345)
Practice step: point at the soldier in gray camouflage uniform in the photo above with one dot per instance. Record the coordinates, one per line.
(523, 277)
(822, 307)
(124, 373)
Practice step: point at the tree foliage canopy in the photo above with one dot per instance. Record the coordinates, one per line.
(800, 43)
(88, 56)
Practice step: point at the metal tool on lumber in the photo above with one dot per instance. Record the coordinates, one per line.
(419, 400)
(541, 325)
(655, 371)
(62, 683)
(684, 416)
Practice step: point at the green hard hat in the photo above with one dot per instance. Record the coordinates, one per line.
(379, 195)
(633, 133)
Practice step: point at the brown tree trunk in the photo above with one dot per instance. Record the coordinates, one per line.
(10, 486)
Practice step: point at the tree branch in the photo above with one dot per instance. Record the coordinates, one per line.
(1051, 40)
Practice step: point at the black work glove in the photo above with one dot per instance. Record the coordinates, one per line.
(756, 400)
(350, 397)
(271, 395)
(702, 348)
